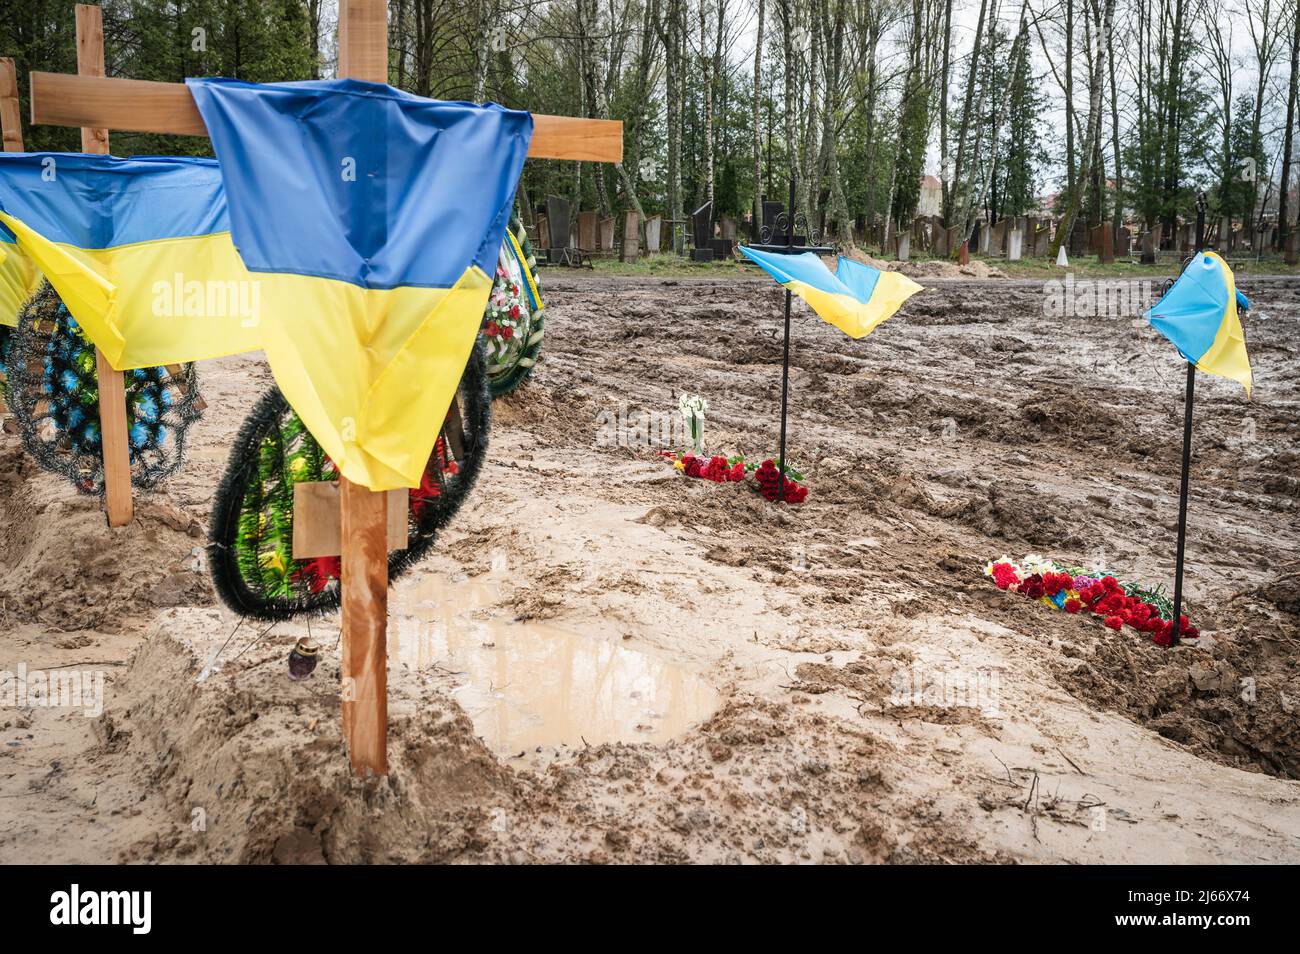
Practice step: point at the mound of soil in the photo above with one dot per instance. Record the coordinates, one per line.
(66, 569)
(935, 268)
(252, 769)
(257, 766)
(1236, 700)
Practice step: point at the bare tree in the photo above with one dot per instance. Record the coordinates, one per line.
(757, 141)
(1283, 216)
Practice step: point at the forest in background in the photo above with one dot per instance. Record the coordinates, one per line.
(1101, 110)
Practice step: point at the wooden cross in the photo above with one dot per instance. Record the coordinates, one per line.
(90, 100)
(113, 440)
(11, 131)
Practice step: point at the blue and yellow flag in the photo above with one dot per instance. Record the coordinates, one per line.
(373, 219)
(1199, 315)
(138, 249)
(855, 299)
(19, 278)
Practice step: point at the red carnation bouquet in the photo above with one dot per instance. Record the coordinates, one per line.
(718, 469)
(1118, 604)
(733, 469)
(770, 484)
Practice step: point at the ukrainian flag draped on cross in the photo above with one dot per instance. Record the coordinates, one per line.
(367, 220)
(120, 240)
(375, 228)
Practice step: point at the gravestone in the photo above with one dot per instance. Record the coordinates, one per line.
(771, 212)
(557, 214)
(702, 230)
(543, 233)
(939, 240)
(904, 246)
(607, 235)
(953, 240)
(1124, 247)
(588, 231)
(982, 237)
(1043, 241)
(631, 249)
(1103, 240)
(1292, 249)
(998, 238)
(1078, 238)
(727, 227)
(1014, 240)
(653, 226)
(1150, 240)
(936, 230)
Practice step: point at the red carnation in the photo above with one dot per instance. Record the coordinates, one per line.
(1073, 606)
(1114, 622)
(770, 484)
(493, 329)
(1032, 587)
(1004, 575)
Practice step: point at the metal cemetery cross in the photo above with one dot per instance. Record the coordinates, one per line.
(90, 100)
(769, 234)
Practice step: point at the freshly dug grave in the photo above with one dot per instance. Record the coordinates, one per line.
(1237, 700)
(246, 768)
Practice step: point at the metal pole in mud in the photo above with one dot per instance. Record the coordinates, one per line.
(785, 358)
(1187, 449)
(1182, 498)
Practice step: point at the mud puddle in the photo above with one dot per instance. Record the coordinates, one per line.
(533, 687)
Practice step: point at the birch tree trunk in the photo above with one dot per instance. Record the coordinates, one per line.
(757, 141)
(946, 41)
(1283, 212)
(1090, 144)
(1172, 124)
(950, 189)
(791, 92)
(482, 50)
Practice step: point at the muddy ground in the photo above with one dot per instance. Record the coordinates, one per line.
(609, 662)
